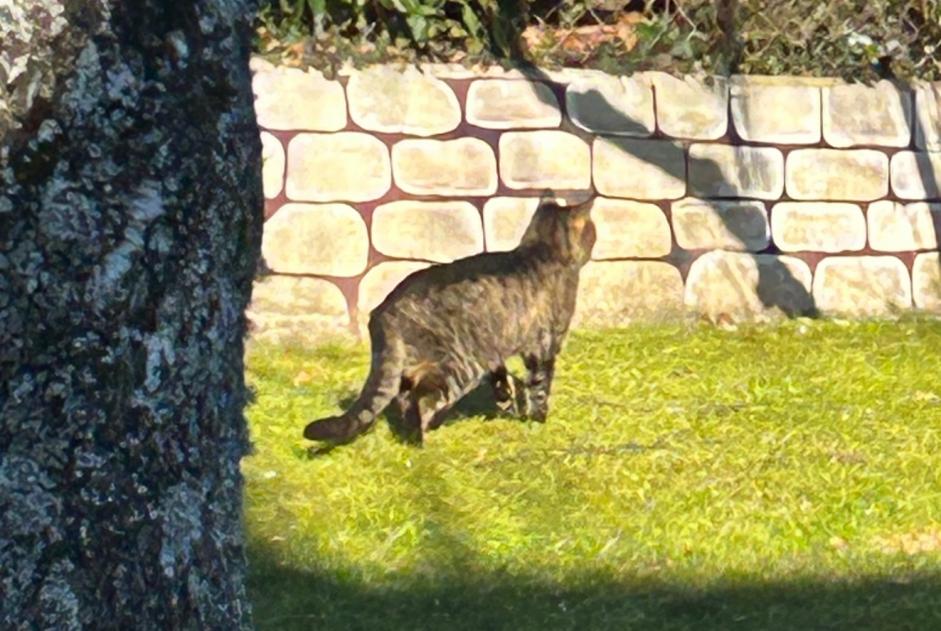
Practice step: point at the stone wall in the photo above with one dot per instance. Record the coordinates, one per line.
(734, 199)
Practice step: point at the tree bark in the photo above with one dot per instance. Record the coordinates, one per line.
(130, 226)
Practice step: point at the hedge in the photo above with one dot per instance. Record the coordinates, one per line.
(854, 39)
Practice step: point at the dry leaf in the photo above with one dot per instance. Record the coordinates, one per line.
(838, 542)
(911, 543)
(584, 40)
(302, 377)
(533, 36)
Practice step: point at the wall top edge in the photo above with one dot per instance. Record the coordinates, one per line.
(455, 71)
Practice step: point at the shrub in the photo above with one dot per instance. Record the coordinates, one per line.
(857, 39)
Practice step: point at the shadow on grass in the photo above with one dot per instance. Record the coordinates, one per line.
(478, 403)
(286, 598)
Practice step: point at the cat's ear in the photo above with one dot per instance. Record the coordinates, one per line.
(547, 196)
(544, 224)
(586, 242)
(582, 230)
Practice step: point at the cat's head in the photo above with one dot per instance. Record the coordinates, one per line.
(567, 231)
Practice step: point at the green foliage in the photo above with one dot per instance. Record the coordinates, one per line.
(854, 39)
(840, 38)
(777, 477)
(402, 28)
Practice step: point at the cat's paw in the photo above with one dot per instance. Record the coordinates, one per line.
(538, 413)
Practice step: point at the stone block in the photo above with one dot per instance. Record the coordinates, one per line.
(856, 175)
(818, 227)
(433, 231)
(297, 307)
(690, 107)
(325, 239)
(926, 281)
(506, 220)
(628, 229)
(294, 99)
(379, 281)
(916, 175)
(897, 227)
(615, 293)
(862, 286)
(739, 287)
(856, 114)
(728, 171)
(272, 161)
(387, 100)
(928, 116)
(544, 159)
(639, 169)
(348, 166)
(618, 106)
(701, 224)
(785, 114)
(460, 167)
(508, 104)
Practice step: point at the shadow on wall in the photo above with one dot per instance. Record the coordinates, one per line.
(777, 287)
(287, 598)
(926, 173)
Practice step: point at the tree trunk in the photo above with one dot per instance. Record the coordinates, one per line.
(130, 224)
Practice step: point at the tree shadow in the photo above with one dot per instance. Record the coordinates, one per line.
(926, 172)
(777, 287)
(462, 597)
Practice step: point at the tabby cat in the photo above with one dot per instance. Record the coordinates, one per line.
(445, 328)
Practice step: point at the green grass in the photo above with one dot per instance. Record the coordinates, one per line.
(775, 477)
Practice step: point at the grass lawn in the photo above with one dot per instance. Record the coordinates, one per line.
(688, 477)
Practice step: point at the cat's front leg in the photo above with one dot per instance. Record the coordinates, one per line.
(505, 391)
(538, 385)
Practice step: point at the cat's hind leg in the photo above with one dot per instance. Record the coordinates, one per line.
(401, 400)
(434, 396)
(420, 402)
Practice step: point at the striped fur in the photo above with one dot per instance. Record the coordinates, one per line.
(447, 327)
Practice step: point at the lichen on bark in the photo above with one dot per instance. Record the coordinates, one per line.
(130, 223)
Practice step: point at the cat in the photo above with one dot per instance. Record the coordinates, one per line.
(446, 328)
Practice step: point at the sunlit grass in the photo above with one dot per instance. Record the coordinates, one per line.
(688, 477)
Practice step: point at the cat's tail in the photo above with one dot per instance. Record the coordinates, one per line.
(382, 384)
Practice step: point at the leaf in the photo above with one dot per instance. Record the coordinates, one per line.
(419, 27)
(533, 36)
(318, 9)
(426, 11)
(470, 19)
(608, 5)
(682, 48)
(456, 31)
